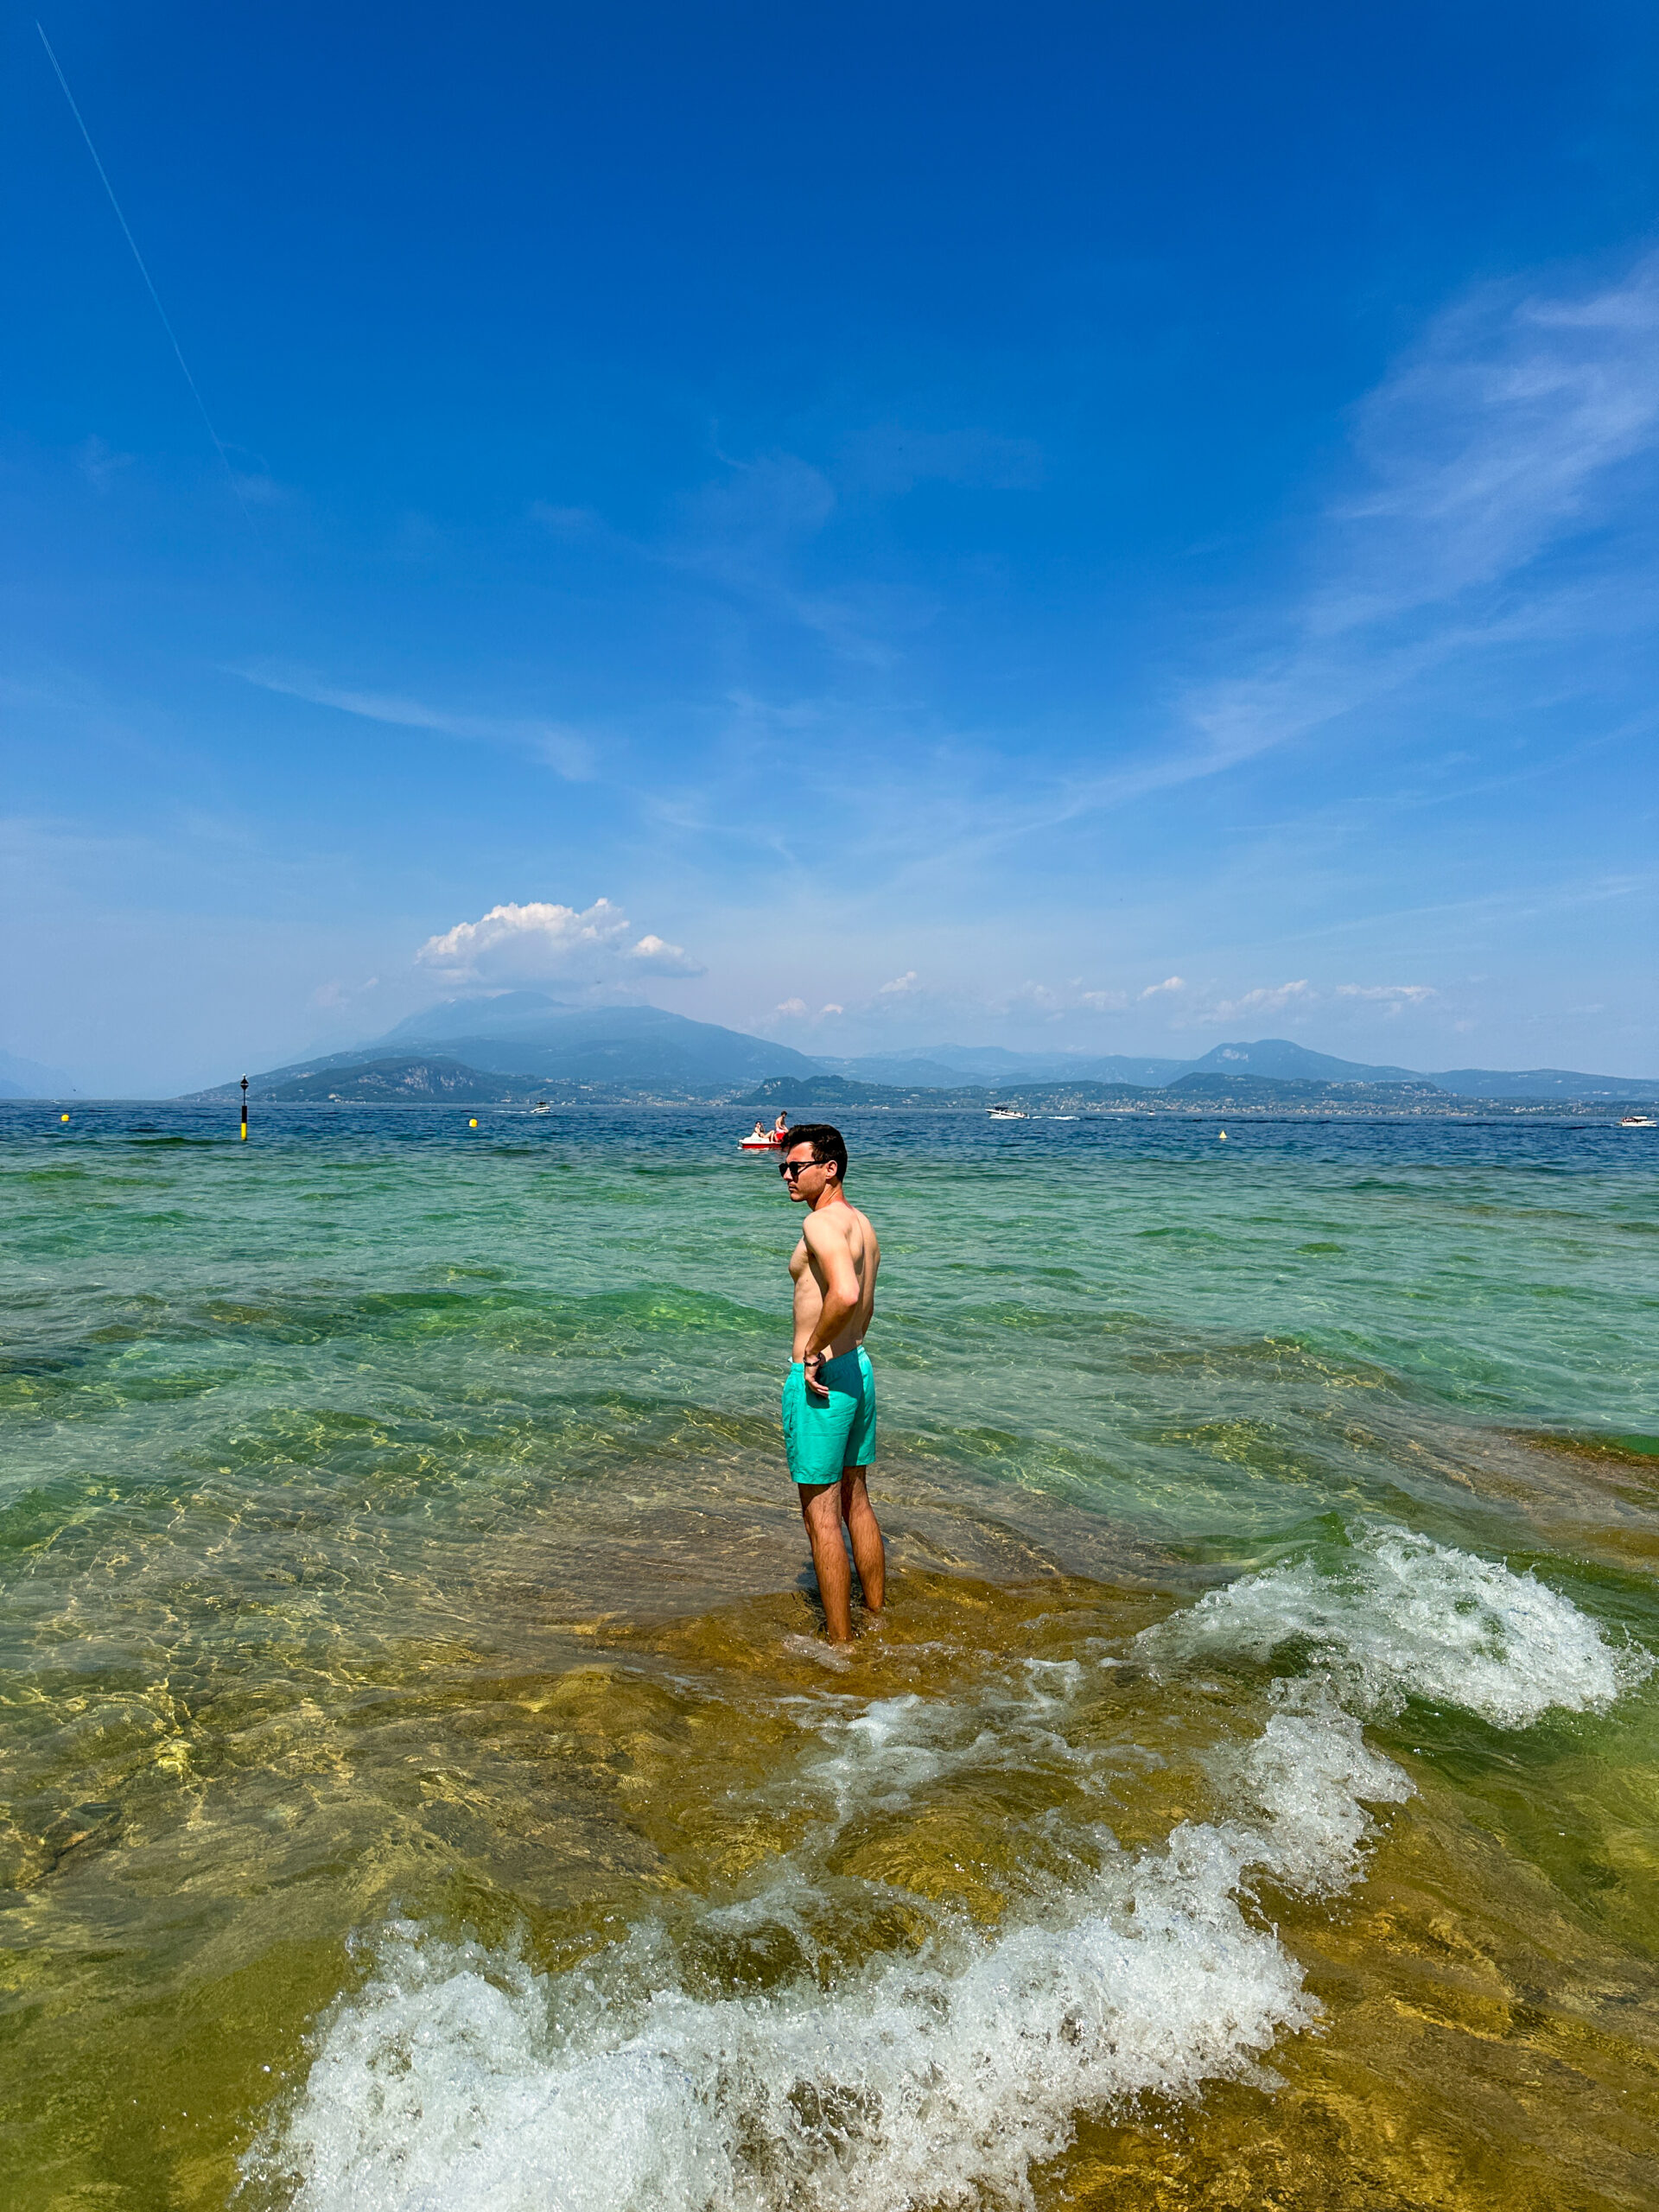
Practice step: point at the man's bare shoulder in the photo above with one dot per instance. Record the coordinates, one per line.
(831, 1227)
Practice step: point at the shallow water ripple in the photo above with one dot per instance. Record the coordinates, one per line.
(423, 1786)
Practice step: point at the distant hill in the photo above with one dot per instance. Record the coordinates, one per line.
(438, 1078)
(484, 1013)
(1277, 1059)
(643, 1050)
(524, 1032)
(1546, 1083)
(21, 1078)
(638, 1047)
(1218, 1090)
(1272, 1059)
(402, 1079)
(1189, 1093)
(824, 1094)
(992, 1063)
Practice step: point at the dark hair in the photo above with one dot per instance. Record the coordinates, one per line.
(827, 1144)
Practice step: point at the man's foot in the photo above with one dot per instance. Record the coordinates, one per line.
(838, 1657)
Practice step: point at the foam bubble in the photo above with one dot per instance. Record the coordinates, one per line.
(1401, 1617)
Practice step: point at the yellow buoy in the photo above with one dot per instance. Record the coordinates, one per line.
(1222, 1134)
(63, 1117)
(473, 1124)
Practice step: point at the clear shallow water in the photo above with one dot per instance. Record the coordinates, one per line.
(410, 1685)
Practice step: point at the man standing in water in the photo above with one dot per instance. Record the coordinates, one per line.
(829, 1395)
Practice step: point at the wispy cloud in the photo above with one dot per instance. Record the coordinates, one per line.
(563, 748)
(1273, 998)
(893, 457)
(100, 463)
(1513, 430)
(1496, 438)
(744, 534)
(1391, 996)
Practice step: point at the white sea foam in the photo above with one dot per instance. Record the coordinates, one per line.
(458, 2080)
(1312, 1774)
(1401, 1617)
(896, 1749)
(461, 2081)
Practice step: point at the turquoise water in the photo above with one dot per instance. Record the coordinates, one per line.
(427, 1786)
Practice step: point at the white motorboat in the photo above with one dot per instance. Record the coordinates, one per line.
(1639, 1122)
(1008, 1114)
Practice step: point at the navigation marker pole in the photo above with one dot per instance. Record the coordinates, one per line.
(244, 1110)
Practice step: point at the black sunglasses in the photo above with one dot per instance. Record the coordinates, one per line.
(793, 1167)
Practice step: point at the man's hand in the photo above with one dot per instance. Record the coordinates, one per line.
(813, 1365)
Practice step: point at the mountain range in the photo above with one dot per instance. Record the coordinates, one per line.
(21, 1078)
(530, 1038)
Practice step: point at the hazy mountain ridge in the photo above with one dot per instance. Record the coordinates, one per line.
(21, 1078)
(528, 1038)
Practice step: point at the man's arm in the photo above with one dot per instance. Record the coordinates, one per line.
(826, 1242)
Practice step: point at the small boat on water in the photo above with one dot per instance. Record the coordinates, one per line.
(1639, 1122)
(541, 1107)
(760, 1140)
(1008, 1114)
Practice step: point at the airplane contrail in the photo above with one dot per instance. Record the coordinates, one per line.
(126, 232)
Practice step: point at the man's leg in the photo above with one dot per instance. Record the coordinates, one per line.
(869, 1554)
(820, 1510)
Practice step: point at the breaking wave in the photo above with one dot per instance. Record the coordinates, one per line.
(1398, 1615)
(460, 2078)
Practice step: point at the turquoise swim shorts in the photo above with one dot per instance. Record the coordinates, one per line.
(822, 1437)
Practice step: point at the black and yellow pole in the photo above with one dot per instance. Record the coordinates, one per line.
(244, 1110)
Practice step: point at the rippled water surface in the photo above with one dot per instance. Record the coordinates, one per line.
(426, 1786)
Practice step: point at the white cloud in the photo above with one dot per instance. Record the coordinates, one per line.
(1104, 1002)
(795, 1008)
(900, 985)
(830, 1007)
(1392, 998)
(539, 941)
(336, 994)
(1276, 998)
(658, 957)
(1169, 983)
(1401, 994)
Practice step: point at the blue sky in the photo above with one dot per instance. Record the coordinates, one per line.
(1110, 527)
